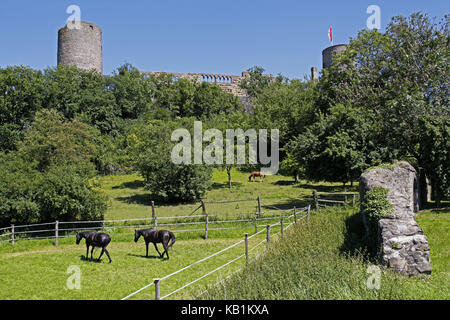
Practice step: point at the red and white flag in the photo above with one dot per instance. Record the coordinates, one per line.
(330, 34)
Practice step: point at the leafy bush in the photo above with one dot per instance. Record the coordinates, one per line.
(65, 193)
(179, 182)
(375, 206)
(60, 193)
(47, 178)
(151, 147)
(18, 182)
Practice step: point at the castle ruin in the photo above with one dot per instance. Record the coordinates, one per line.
(82, 47)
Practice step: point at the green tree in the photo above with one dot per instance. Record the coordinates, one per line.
(18, 183)
(65, 193)
(435, 151)
(151, 148)
(287, 105)
(338, 147)
(185, 98)
(133, 91)
(210, 99)
(255, 82)
(78, 93)
(48, 177)
(52, 140)
(398, 78)
(21, 94)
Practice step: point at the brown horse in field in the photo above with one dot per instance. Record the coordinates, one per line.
(256, 174)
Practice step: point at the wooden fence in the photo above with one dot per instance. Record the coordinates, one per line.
(62, 229)
(322, 199)
(157, 282)
(204, 221)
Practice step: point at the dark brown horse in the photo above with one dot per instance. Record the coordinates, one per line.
(256, 174)
(94, 239)
(156, 236)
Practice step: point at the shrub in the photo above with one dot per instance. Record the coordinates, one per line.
(375, 206)
(47, 178)
(65, 193)
(151, 147)
(171, 182)
(60, 193)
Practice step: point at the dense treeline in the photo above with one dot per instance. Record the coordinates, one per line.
(385, 98)
(61, 127)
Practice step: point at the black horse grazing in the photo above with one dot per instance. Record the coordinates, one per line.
(94, 239)
(156, 236)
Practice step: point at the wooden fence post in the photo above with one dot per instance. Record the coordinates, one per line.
(256, 223)
(12, 235)
(295, 215)
(281, 225)
(157, 292)
(206, 219)
(203, 207)
(259, 206)
(206, 226)
(153, 209)
(309, 211)
(156, 223)
(316, 199)
(268, 236)
(103, 225)
(56, 232)
(354, 200)
(246, 247)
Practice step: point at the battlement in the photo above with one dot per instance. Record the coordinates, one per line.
(229, 83)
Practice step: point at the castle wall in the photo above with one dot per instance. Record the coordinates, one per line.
(229, 83)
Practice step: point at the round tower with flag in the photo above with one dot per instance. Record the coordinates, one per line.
(328, 53)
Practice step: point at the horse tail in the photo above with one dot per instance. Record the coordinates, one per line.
(173, 239)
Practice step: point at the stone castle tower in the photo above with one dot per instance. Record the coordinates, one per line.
(81, 47)
(328, 53)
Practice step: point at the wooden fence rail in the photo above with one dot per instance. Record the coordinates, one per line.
(157, 282)
(320, 197)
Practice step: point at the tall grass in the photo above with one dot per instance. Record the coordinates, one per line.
(324, 260)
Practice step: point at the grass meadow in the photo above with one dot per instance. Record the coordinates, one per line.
(321, 259)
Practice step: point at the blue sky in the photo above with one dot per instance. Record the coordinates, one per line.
(284, 36)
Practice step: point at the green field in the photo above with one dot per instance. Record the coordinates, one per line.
(311, 265)
(129, 199)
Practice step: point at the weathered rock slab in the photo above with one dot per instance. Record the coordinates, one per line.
(403, 244)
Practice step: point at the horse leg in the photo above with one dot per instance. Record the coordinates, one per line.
(107, 253)
(166, 251)
(87, 251)
(146, 249)
(103, 250)
(92, 253)
(156, 247)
